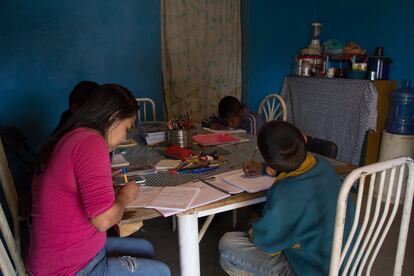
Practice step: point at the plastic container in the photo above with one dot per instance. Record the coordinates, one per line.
(401, 116)
(180, 137)
(392, 146)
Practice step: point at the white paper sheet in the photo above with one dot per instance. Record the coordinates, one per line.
(177, 198)
(206, 196)
(250, 184)
(145, 195)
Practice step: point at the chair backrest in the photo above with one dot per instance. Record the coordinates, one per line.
(145, 104)
(274, 108)
(322, 147)
(11, 262)
(385, 180)
(9, 190)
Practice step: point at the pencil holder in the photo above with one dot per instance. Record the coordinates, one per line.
(180, 137)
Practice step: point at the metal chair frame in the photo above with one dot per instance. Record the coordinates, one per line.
(143, 109)
(274, 108)
(365, 239)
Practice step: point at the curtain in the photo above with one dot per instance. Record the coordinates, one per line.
(201, 55)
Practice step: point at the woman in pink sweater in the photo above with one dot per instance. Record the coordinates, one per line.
(73, 198)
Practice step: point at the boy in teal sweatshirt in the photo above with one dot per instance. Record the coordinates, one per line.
(294, 234)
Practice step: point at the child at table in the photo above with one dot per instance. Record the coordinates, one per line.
(294, 234)
(232, 113)
(79, 95)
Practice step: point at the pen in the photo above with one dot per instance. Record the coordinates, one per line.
(200, 170)
(215, 187)
(254, 154)
(125, 176)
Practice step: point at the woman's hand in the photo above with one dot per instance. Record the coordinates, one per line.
(113, 215)
(251, 168)
(128, 193)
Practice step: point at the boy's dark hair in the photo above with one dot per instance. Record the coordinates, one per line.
(109, 104)
(81, 92)
(282, 146)
(229, 107)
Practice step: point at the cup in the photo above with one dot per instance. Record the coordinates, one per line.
(180, 137)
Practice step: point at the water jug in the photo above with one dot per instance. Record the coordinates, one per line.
(401, 117)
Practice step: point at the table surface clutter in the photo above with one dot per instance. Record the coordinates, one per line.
(231, 199)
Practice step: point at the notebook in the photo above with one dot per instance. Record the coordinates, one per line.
(250, 184)
(238, 130)
(176, 198)
(215, 139)
(206, 196)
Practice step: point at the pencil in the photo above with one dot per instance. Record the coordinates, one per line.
(254, 154)
(214, 186)
(125, 176)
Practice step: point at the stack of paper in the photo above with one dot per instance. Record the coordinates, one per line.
(153, 132)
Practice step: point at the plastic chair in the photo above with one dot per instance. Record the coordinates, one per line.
(357, 255)
(274, 108)
(144, 108)
(322, 147)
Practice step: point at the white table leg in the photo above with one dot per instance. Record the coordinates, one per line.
(188, 242)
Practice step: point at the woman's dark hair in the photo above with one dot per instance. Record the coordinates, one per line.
(108, 104)
(282, 146)
(229, 107)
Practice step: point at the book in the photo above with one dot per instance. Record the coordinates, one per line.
(153, 132)
(142, 168)
(215, 139)
(127, 144)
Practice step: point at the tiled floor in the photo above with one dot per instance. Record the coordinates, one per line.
(159, 232)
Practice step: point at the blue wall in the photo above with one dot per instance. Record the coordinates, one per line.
(274, 31)
(48, 46)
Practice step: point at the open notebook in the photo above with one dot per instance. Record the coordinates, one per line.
(172, 198)
(250, 184)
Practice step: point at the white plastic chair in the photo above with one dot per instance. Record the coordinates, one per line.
(145, 104)
(388, 180)
(274, 108)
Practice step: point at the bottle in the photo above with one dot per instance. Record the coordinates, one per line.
(401, 117)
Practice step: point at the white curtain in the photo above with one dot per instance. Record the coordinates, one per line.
(201, 55)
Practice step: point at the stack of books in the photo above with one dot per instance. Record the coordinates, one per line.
(153, 132)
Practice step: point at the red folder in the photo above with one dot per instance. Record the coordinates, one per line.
(177, 152)
(215, 139)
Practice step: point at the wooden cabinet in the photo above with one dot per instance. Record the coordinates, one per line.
(384, 88)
